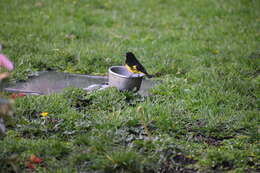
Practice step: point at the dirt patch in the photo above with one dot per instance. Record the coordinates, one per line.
(81, 104)
(223, 166)
(169, 167)
(254, 55)
(139, 132)
(211, 140)
(176, 163)
(181, 159)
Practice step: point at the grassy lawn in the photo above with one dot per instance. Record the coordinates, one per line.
(204, 117)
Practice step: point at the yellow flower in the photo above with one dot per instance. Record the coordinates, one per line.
(44, 114)
(215, 52)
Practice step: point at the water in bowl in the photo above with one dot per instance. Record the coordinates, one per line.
(54, 82)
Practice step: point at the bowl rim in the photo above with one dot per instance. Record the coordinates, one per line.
(122, 76)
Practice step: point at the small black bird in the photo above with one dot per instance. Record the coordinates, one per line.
(134, 66)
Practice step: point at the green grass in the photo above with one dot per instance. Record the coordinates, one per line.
(204, 116)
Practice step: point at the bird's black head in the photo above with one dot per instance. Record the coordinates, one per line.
(129, 56)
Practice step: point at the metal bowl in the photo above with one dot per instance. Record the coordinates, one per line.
(121, 78)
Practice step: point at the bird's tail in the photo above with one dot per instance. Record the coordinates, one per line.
(149, 75)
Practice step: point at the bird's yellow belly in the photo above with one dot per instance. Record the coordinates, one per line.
(132, 69)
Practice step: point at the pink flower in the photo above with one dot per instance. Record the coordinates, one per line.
(5, 62)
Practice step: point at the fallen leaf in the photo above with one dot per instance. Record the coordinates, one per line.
(35, 159)
(30, 165)
(38, 4)
(21, 94)
(15, 95)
